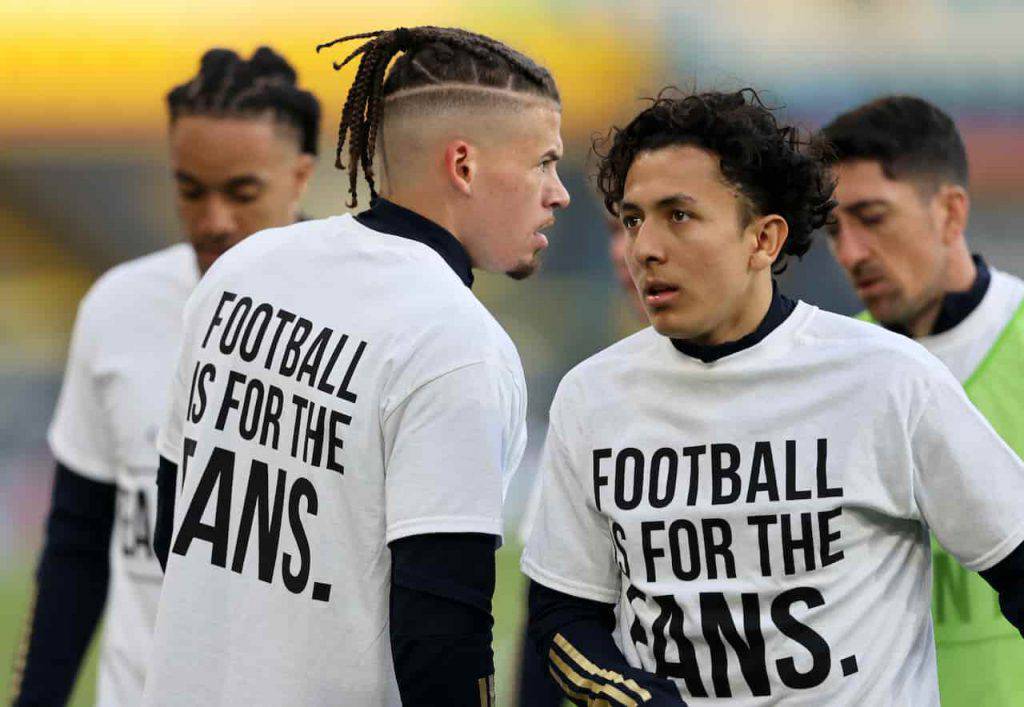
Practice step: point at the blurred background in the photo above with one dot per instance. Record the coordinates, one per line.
(85, 184)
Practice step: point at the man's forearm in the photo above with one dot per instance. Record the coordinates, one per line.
(574, 636)
(1007, 578)
(71, 589)
(441, 623)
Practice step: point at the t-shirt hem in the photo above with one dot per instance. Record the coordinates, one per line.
(999, 553)
(167, 451)
(443, 524)
(78, 461)
(567, 586)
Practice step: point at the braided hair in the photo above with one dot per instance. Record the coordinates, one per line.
(229, 86)
(431, 57)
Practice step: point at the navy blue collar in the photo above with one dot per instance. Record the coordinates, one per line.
(388, 217)
(957, 306)
(778, 311)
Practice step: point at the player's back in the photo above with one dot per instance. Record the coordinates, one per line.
(306, 354)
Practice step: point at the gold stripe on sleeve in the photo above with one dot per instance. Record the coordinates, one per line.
(620, 697)
(486, 688)
(573, 695)
(588, 666)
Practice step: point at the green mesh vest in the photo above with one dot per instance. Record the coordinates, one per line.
(980, 655)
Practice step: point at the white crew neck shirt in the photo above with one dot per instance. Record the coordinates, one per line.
(373, 345)
(761, 521)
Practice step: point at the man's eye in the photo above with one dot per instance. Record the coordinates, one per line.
(190, 194)
(243, 197)
(680, 216)
(873, 219)
(631, 221)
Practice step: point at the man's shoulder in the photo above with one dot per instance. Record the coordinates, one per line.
(162, 279)
(859, 345)
(624, 354)
(283, 242)
(171, 268)
(1008, 288)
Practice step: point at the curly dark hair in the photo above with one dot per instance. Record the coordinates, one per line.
(768, 163)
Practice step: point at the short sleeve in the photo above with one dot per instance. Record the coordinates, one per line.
(451, 447)
(80, 436)
(569, 547)
(968, 484)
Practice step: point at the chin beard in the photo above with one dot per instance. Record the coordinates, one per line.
(521, 272)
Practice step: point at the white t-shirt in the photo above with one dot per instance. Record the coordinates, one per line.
(963, 347)
(114, 397)
(762, 520)
(344, 389)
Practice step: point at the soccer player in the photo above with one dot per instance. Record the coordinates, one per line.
(243, 140)
(902, 212)
(347, 414)
(743, 491)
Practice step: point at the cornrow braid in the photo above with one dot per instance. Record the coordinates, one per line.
(430, 56)
(228, 85)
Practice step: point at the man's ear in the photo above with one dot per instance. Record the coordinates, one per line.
(768, 234)
(460, 163)
(304, 167)
(955, 204)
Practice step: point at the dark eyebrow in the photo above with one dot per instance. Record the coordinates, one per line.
(858, 206)
(247, 180)
(676, 200)
(673, 200)
(185, 177)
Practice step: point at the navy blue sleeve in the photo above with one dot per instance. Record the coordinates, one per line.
(71, 588)
(574, 637)
(535, 686)
(166, 488)
(441, 623)
(1007, 578)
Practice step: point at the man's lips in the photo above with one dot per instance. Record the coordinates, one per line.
(541, 238)
(659, 294)
(870, 286)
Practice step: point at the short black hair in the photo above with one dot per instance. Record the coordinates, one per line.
(765, 161)
(229, 86)
(909, 136)
(428, 57)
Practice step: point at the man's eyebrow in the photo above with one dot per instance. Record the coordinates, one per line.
(246, 180)
(675, 200)
(552, 154)
(863, 204)
(185, 177)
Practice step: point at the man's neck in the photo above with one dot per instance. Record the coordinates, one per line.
(758, 300)
(428, 205)
(960, 275)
